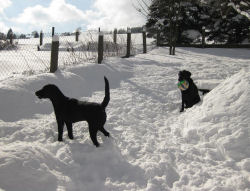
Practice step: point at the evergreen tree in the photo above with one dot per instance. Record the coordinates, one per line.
(163, 19)
(193, 18)
(22, 36)
(242, 7)
(227, 25)
(9, 33)
(176, 17)
(35, 34)
(226, 21)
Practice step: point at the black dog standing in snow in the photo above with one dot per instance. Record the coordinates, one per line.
(189, 91)
(70, 110)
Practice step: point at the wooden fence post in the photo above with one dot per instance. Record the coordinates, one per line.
(54, 54)
(158, 38)
(128, 42)
(41, 38)
(249, 35)
(115, 36)
(77, 35)
(203, 37)
(53, 31)
(100, 48)
(144, 40)
(11, 38)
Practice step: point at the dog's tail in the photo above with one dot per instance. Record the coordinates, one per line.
(107, 96)
(204, 91)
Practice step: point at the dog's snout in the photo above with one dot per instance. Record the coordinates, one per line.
(38, 94)
(180, 78)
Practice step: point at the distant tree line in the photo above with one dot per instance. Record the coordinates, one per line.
(11, 34)
(133, 30)
(183, 21)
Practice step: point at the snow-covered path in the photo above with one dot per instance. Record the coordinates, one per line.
(153, 146)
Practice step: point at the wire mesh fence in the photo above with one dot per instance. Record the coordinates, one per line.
(32, 55)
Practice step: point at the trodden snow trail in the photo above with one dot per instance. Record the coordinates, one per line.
(143, 109)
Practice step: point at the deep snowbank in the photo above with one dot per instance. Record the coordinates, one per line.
(217, 132)
(224, 117)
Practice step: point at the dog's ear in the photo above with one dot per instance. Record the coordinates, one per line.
(187, 73)
(180, 72)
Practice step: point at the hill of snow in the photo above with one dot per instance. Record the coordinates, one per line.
(152, 146)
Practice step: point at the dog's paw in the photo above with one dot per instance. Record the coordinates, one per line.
(60, 139)
(107, 134)
(71, 137)
(97, 145)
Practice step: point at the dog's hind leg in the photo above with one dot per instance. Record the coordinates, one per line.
(104, 131)
(204, 91)
(70, 130)
(93, 134)
(182, 103)
(60, 125)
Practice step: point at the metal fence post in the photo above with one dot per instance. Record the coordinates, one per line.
(144, 40)
(128, 42)
(41, 38)
(54, 54)
(100, 48)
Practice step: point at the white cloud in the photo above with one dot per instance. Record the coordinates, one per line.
(107, 14)
(4, 4)
(58, 11)
(3, 27)
(110, 14)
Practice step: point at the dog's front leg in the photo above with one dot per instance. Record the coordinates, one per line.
(106, 133)
(182, 106)
(93, 133)
(70, 130)
(60, 125)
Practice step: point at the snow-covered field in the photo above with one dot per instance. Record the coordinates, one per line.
(153, 147)
(26, 59)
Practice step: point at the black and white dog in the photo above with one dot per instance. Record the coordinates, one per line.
(189, 92)
(70, 110)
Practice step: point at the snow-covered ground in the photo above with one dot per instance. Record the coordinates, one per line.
(153, 147)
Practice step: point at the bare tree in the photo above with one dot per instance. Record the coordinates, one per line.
(142, 6)
(167, 16)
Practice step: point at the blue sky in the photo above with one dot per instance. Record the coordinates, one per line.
(25, 16)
